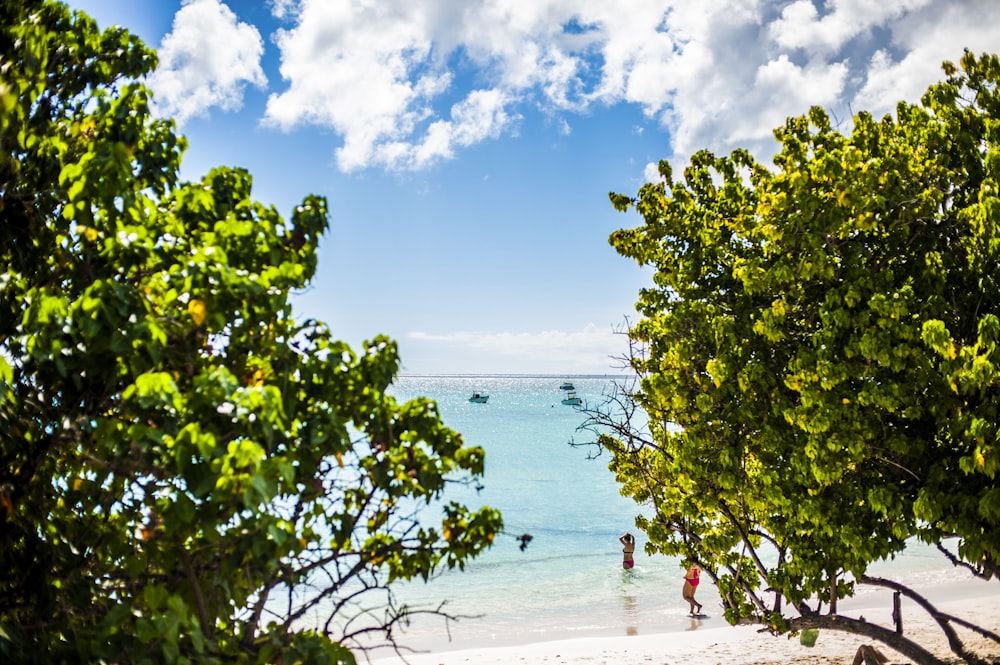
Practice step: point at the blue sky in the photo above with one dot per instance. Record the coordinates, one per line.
(467, 148)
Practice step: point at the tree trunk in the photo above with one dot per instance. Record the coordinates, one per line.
(916, 653)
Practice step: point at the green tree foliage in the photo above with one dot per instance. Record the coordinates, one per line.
(187, 473)
(818, 358)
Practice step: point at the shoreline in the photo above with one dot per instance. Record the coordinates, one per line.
(722, 644)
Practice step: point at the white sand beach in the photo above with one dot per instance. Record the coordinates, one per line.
(743, 645)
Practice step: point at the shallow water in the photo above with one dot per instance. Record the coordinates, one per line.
(569, 580)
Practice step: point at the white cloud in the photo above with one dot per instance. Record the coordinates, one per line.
(781, 88)
(283, 9)
(479, 116)
(206, 61)
(407, 83)
(588, 351)
(651, 172)
(925, 39)
(384, 77)
(369, 72)
(745, 66)
(801, 26)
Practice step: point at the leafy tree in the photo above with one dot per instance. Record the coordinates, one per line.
(817, 360)
(187, 473)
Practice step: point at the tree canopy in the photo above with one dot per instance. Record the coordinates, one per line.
(818, 358)
(188, 472)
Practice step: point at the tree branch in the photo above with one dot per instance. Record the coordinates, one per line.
(943, 620)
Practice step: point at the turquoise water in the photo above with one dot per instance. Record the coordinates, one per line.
(569, 581)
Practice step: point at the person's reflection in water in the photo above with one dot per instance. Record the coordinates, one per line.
(631, 614)
(695, 624)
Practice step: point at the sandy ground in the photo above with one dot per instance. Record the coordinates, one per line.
(728, 645)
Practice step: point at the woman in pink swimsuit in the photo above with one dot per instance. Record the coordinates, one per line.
(690, 585)
(628, 547)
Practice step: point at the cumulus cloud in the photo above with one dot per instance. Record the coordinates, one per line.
(206, 61)
(801, 26)
(776, 59)
(921, 41)
(384, 77)
(404, 84)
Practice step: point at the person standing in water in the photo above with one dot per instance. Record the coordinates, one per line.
(691, 579)
(628, 547)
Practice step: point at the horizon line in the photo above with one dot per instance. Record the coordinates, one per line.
(501, 375)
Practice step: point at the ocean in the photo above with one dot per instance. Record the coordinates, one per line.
(568, 581)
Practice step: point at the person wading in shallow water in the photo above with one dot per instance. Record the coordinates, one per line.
(628, 547)
(691, 579)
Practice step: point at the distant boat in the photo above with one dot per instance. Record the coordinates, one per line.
(567, 385)
(571, 399)
(479, 398)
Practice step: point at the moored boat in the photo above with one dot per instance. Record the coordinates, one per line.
(571, 399)
(479, 398)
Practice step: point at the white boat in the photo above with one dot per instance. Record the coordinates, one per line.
(479, 398)
(571, 399)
